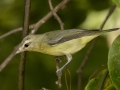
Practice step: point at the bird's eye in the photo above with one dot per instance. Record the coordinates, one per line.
(26, 45)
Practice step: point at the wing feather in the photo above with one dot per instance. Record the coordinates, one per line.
(60, 36)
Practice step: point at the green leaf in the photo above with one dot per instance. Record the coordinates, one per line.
(117, 2)
(95, 83)
(114, 63)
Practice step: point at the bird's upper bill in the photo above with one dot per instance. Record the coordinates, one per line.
(18, 50)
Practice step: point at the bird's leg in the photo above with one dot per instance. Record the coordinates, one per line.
(69, 58)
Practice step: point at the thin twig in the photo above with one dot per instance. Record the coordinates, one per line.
(108, 15)
(56, 16)
(58, 82)
(36, 26)
(23, 54)
(44, 88)
(66, 81)
(14, 31)
(8, 59)
(79, 70)
(68, 88)
(10, 32)
(86, 57)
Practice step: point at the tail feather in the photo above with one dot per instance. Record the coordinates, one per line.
(109, 30)
(97, 32)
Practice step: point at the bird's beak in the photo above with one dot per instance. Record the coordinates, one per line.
(18, 51)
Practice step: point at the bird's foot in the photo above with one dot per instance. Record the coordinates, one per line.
(59, 71)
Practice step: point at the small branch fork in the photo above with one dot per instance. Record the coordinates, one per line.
(56, 16)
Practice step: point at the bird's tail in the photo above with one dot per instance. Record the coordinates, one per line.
(110, 30)
(98, 31)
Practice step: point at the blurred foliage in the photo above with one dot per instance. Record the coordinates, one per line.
(102, 79)
(117, 2)
(40, 68)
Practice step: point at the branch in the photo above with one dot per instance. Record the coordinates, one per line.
(55, 15)
(108, 15)
(10, 32)
(14, 31)
(35, 26)
(81, 67)
(79, 71)
(45, 18)
(44, 88)
(8, 59)
(23, 54)
(58, 82)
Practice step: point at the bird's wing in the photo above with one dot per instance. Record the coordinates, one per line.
(60, 36)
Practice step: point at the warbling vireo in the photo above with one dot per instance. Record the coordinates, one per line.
(60, 42)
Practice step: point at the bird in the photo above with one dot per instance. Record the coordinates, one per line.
(60, 42)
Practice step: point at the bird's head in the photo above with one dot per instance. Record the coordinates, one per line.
(27, 44)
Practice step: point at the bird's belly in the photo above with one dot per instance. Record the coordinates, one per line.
(69, 47)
